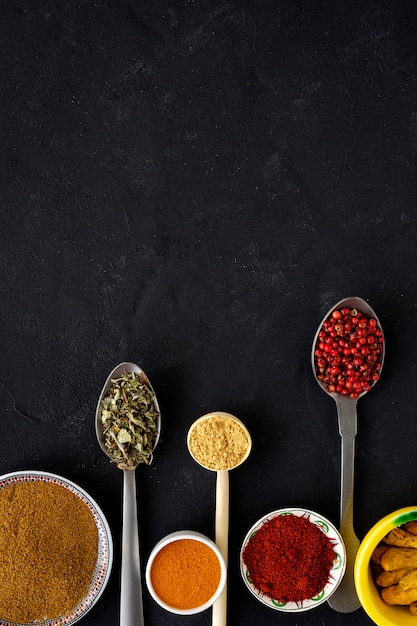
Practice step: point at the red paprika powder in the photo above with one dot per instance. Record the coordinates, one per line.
(289, 558)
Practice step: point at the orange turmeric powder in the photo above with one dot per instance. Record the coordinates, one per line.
(48, 548)
(185, 574)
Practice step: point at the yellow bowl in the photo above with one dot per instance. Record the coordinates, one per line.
(368, 592)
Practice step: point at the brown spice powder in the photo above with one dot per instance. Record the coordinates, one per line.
(49, 549)
(219, 443)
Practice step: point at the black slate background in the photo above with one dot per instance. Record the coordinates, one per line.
(191, 185)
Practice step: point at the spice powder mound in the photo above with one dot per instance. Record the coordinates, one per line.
(49, 549)
(185, 574)
(289, 558)
(218, 443)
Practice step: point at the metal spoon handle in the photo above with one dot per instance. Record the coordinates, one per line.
(131, 605)
(345, 599)
(219, 615)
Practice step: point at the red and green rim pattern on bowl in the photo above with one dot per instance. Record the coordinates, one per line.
(105, 546)
(336, 573)
(403, 518)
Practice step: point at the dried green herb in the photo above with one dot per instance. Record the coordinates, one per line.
(130, 417)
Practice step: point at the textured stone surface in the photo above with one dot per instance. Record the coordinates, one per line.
(191, 185)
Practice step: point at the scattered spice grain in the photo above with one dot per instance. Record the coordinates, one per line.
(185, 573)
(218, 442)
(49, 549)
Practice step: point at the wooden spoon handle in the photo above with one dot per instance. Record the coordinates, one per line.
(219, 616)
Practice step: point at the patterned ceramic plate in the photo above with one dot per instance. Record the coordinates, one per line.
(336, 573)
(105, 546)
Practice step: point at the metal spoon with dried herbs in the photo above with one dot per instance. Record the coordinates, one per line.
(129, 418)
(138, 395)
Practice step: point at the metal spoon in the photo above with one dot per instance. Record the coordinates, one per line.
(131, 604)
(345, 599)
(219, 615)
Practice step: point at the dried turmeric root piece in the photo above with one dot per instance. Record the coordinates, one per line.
(377, 554)
(413, 607)
(411, 527)
(394, 595)
(400, 537)
(408, 581)
(396, 558)
(387, 578)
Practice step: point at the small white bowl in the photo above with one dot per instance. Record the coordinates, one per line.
(176, 536)
(336, 573)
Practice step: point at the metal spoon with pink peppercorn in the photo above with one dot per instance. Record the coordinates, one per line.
(340, 378)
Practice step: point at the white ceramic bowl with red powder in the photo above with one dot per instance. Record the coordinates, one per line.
(336, 568)
(170, 539)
